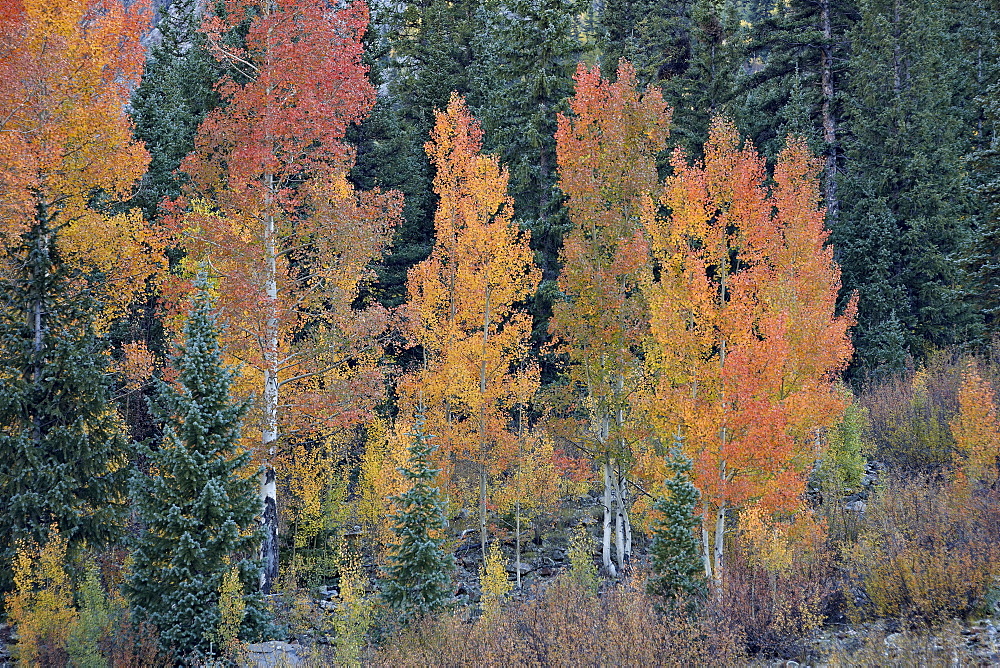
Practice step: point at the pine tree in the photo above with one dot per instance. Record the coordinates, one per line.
(198, 512)
(425, 49)
(176, 92)
(418, 579)
(61, 442)
(905, 214)
(676, 559)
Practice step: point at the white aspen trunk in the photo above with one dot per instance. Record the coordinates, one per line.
(829, 121)
(517, 541)
(619, 518)
(626, 520)
(606, 539)
(483, 445)
(268, 488)
(706, 545)
(720, 531)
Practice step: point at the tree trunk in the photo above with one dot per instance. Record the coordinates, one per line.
(517, 541)
(829, 120)
(619, 518)
(606, 540)
(268, 488)
(626, 520)
(483, 445)
(706, 545)
(720, 530)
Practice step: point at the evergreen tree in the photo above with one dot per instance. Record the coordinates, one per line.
(198, 513)
(419, 51)
(795, 68)
(982, 261)
(418, 579)
(905, 217)
(692, 50)
(176, 92)
(61, 442)
(676, 562)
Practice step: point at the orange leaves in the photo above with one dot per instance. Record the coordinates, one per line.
(977, 430)
(462, 306)
(66, 71)
(270, 209)
(746, 339)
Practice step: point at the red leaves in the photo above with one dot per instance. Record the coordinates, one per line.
(306, 85)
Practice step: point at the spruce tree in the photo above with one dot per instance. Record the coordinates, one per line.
(420, 51)
(525, 54)
(197, 510)
(905, 215)
(676, 562)
(176, 92)
(418, 579)
(61, 441)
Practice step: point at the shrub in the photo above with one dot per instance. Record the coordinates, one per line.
(909, 414)
(41, 604)
(778, 579)
(582, 569)
(925, 552)
(565, 625)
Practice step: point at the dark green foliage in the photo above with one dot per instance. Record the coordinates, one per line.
(677, 566)
(198, 514)
(779, 91)
(692, 49)
(418, 579)
(168, 106)
(983, 259)
(906, 212)
(61, 442)
(526, 54)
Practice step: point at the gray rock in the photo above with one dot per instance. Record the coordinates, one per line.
(272, 654)
(856, 507)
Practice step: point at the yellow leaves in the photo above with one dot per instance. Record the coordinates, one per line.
(385, 453)
(776, 544)
(493, 581)
(41, 604)
(122, 247)
(976, 429)
(463, 303)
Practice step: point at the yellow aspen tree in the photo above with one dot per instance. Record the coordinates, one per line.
(463, 309)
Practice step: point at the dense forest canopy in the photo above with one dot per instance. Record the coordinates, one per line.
(297, 294)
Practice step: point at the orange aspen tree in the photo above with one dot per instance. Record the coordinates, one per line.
(746, 343)
(977, 431)
(463, 308)
(289, 240)
(606, 151)
(66, 71)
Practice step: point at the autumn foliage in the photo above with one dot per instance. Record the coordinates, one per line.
(606, 152)
(464, 310)
(66, 72)
(746, 340)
